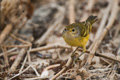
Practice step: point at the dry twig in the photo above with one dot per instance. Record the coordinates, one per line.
(49, 47)
(8, 51)
(107, 57)
(28, 55)
(26, 43)
(5, 32)
(19, 39)
(104, 20)
(5, 56)
(23, 64)
(18, 59)
(71, 12)
(20, 73)
(90, 5)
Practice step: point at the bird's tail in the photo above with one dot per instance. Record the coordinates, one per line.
(92, 19)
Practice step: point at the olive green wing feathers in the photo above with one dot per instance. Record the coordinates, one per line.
(85, 27)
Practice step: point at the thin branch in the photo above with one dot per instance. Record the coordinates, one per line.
(8, 51)
(5, 55)
(28, 55)
(90, 5)
(5, 32)
(18, 59)
(23, 64)
(53, 47)
(107, 57)
(19, 39)
(26, 43)
(104, 20)
(18, 46)
(71, 11)
(20, 73)
(49, 47)
(36, 72)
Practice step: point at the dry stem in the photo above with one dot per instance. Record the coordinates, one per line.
(71, 12)
(5, 32)
(49, 47)
(5, 56)
(90, 5)
(104, 19)
(107, 57)
(27, 44)
(19, 39)
(18, 59)
(1, 54)
(23, 64)
(20, 73)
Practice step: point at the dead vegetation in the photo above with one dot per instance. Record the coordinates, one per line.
(32, 48)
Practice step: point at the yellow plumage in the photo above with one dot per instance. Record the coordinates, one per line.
(77, 34)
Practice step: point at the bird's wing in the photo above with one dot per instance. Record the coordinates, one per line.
(85, 28)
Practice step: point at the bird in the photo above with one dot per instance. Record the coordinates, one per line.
(77, 34)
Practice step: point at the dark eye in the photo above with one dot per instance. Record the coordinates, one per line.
(73, 30)
(65, 29)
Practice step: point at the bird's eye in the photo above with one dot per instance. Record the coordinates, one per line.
(65, 29)
(73, 30)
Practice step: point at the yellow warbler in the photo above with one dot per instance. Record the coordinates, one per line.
(77, 34)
